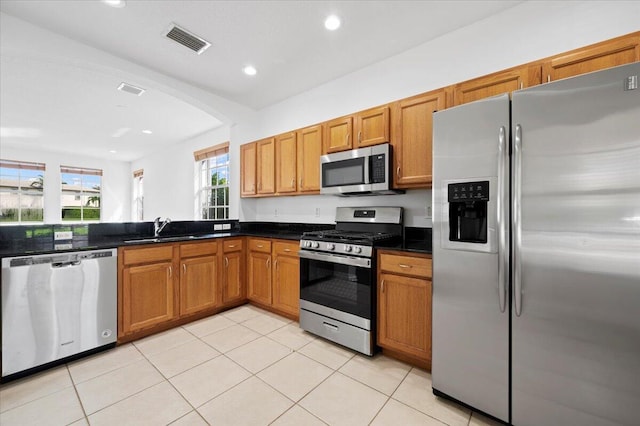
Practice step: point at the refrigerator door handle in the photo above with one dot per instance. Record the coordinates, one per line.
(503, 153)
(517, 231)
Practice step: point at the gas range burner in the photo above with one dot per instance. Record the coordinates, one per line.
(357, 232)
(336, 235)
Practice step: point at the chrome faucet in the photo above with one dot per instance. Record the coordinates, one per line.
(157, 227)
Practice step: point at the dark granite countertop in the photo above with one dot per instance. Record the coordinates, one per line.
(33, 240)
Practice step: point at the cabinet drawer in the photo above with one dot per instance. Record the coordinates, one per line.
(232, 245)
(406, 265)
(286, 248)
(260, 245)
(198, 249)
(148, 254)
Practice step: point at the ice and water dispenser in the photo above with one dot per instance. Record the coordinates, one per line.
(468, 211)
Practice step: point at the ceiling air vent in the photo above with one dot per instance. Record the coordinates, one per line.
(125, 87)
(187, 39)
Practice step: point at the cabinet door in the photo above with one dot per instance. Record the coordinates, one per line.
(286, 162)
(309, 152)
(233, 276)
(198, 287)
(265, 152)
(286, 284)
(337, 136)
(404, 315)
(148, 297)
(412, 139)
(260, 277)
(496, 84)
(372, 126)
(611, 53)
(248, 169)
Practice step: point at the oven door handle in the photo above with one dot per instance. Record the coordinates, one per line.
(360, 262)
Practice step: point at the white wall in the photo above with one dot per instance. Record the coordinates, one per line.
(527, 32)
(116, 182)
(169, 178)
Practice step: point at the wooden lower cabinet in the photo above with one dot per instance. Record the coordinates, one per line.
(148, 295)
(146, 287)
(274, 275)
(404, 306)
(164, 285)
(233, 267)
(286, 278)
(259, 271)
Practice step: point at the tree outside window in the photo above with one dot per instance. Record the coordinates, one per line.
(213, 182)
(81, 194)
(21, 192)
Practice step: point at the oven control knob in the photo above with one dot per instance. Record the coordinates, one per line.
(357, 249)
(307, 244)
(315, 244)
(347, 248)
(331, 246)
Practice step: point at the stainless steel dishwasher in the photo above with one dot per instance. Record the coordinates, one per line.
(55, 306)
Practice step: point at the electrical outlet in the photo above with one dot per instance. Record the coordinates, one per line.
(276, 213)
(317, 211)
(226, 226)
(429, 211)
(62, 235)
(218, 227)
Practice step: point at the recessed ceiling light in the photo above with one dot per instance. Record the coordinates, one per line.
(115, 3)
(113, 151)
(147, 132)
(332, 23)
(249, 70)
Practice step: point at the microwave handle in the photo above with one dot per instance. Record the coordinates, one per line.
(367, 169)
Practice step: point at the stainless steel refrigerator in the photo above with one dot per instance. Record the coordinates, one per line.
(536, 252)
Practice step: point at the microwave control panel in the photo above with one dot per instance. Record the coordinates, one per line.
(378, 165)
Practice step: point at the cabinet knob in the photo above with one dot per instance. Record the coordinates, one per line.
(398, 172)
(170, 271)
(293, 182)
(226, 262)
(402, 265)
(184, 268)
(359, 136)
(382, 286)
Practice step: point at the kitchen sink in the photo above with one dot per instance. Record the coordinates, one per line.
(161, 239)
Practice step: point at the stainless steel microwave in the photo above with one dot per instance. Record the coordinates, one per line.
(363, 171)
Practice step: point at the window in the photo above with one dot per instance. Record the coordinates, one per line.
(81, 190)
(21, 191)
(138, 195)
(213, 181)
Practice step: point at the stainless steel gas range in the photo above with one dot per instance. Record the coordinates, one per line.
(338, 275)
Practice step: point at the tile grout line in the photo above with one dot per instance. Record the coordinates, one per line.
(75, 389)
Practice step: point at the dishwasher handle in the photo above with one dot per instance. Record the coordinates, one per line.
(65, 264)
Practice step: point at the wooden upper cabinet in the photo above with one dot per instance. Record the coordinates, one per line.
(610, 53)
(265, 156)
(497, 83)
(371, 127)
(309, 152)
(411, 139)
(338, 135)
(248, 169)
(286, 163)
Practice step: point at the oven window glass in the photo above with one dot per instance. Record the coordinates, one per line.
(342, 287)
(344, 172)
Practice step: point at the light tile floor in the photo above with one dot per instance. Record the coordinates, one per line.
(245, 366)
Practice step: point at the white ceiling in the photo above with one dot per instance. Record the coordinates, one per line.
(70, 106)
